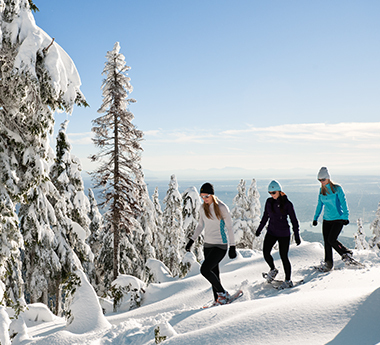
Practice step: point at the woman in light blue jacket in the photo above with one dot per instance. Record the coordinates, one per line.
(335, 214)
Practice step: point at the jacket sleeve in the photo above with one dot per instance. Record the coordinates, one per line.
(343, 203)
(318, 210)
(264, 218)
(228, 223)
(293, 218)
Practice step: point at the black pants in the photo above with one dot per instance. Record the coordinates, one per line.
(283, 243)
(210, 268)
(331, 230)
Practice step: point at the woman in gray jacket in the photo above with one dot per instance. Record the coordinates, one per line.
(215, 220)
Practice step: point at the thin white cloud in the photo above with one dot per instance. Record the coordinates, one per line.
(80, 138)
(354, 131)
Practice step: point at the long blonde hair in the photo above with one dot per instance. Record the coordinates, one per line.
(333, 187)
(206, 208)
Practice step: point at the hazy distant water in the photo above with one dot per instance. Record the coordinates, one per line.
(363, 196)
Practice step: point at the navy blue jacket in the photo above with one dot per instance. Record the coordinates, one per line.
(278, 219)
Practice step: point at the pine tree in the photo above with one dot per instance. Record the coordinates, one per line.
(144, 238)
(172, 226)
(158, 235)
(241, 218)
(190, 213)
(96, 228)
(65, 174)
(360, 241)
(11, 239)
(41, 263)
(254, 207)
(375, 228)
(120, 173)
(104, 260)
(37, 77)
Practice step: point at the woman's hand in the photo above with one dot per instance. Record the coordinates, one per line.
(232, 252)
(189, 244)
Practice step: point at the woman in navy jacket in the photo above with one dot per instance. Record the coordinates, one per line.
(277, 210)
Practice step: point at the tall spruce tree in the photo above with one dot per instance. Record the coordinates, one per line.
(158, 235)
(120, 173)
(375, 228)
(37, 77)
(65, 174)
(359, 237)
(96, 228)
(241, 218)
(172, 225)
(190, 213)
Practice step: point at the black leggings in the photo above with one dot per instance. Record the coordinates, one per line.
(210, 268)
(331, 230)
(283, 243)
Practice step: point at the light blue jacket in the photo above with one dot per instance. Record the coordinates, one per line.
(335, 205)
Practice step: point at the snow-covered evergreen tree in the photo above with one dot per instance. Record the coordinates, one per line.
(375, 228)
(359, 236)
(104, 260)
(41, 263)
(65, 174)
(96, 228)
(158, 235)
(190, 213)
(241, 214)
(253, 196)
(37, 77)
(172, 226)
(143, 239)
(10, 236)
(120, 172)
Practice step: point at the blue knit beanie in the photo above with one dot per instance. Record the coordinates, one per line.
(274, 186)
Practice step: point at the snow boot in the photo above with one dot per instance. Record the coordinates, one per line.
(271, 275)
(325, 266)
(285, 284)
(223, 298)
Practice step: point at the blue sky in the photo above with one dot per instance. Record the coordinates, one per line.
(272, 87)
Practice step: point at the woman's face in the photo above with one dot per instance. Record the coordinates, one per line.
(207, 198)
(324, 181)
(275, 195)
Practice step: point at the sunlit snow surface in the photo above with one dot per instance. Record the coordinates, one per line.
(339, 307)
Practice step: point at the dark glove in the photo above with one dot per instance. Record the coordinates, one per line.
(297, 238)
(189, 244)
(346, 222)
(315, 223)
(232, 252)
(258, 233)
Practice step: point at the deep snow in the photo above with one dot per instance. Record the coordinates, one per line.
(339, 307)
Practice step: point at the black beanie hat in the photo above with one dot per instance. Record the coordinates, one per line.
(207, 188)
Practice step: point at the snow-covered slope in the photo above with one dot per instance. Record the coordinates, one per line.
(339, 307)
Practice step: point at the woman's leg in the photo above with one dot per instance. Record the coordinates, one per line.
(335, 229)
(326, 229)
(269, 242)
(283, 243)
(210, 268)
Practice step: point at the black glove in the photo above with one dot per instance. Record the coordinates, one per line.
(232, 252)
(258, 233)
(189, 244)
(346, 222)
(297, 238)
(315, 223)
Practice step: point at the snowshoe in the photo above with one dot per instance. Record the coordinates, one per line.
(230, 299)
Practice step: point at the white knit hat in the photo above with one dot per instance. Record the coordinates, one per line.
(323, 173)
